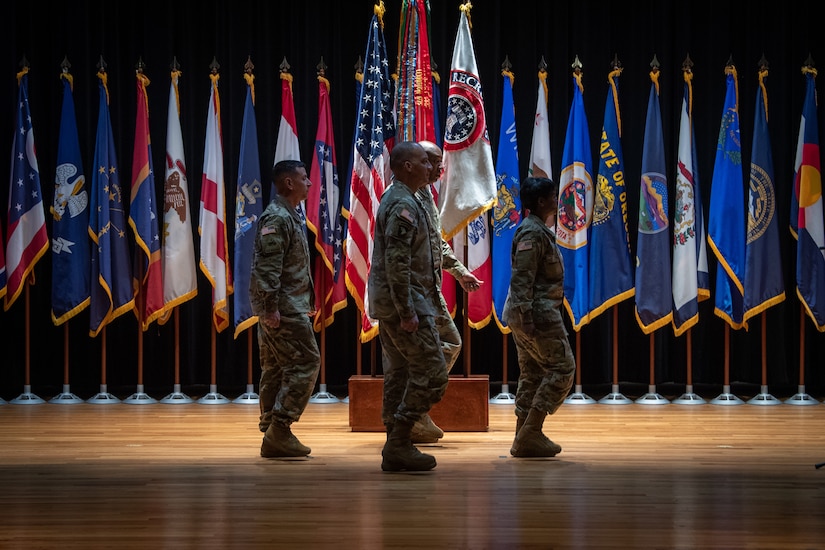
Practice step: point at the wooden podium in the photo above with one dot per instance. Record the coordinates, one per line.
(464, 407)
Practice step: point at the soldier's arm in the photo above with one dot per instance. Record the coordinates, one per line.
(402, 224)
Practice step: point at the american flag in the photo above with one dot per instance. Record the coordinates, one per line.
(375, 135)
(26, 230)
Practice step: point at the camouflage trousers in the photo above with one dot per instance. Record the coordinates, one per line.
(290, 363)
(546, 367)
(415, 372)
(450, 338)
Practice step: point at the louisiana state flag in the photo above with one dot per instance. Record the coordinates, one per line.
(764, 285)
(810, 243)
(506, 214)
(611, 271)
(576, 210)
(654, 305)
(726, 222)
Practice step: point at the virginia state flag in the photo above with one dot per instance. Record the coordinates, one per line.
(325, 218)
(248, 208)
(111, 291)
(70, 219)
(691, 283)
(576, 210)
(611, 271)
(214, 261)
(506, 214)
(810, 243)
(143, 218)
(764, 285)
(180, 278)
(374, 137)
(653, 285)
(26, 222)
(726, 221)
(468, 186)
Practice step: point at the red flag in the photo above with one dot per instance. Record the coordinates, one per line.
(147, 275)
(214, 261)
(324, 217)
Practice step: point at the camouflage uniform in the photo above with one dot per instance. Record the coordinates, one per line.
(536, 292)
(447, 331)
(281, 280)
(403, 281)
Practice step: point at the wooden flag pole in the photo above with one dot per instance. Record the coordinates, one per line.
(176, 396)
(27, 397)
(615, 397)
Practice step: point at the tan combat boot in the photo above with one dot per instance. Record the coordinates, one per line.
(530, 441)
(400, 454)
(426, 431)
(279, 441)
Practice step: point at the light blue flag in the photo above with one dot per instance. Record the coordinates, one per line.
(507, 210)
(611, 271)
(248, 208)
(726, 222)
(575, 210)
(653, 286)
(70, 219)
(764, 285)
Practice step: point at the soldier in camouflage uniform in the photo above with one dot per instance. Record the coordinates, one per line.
(425, 430)
(404, 298)
(282, 296)
(532, 310)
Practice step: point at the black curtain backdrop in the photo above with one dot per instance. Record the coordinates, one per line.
(786, 33)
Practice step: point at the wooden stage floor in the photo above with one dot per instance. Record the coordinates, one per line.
(630, 476)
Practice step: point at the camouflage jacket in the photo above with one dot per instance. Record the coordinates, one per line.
(537, 278)
(281, 278)
(406, 258)
(449, 262)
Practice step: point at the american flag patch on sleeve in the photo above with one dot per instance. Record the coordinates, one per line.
(268, 230)
(407, 216)
(524, 245)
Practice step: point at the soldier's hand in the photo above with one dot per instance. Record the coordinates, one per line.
(470, 282)
(272, 319)
(411, 324)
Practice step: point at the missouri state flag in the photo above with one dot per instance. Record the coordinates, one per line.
(143, 218)
(576, 210)
(71, 251)
(654, 304)
(726, 221)
(27, 240)
(807, 197)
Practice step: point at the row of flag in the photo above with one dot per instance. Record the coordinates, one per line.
(478, 201)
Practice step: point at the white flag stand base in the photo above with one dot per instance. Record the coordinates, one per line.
(176, 397)
(213, 397)
(578, 397)
(652, 397)
(248, 397)
(801, 398)
(615, 397)
(726, 398)
(140, 397)
(764, 398)
(323, 396)
(103, 397)
(505, 397)
(689, 398)
(66, 397)
(27, 397)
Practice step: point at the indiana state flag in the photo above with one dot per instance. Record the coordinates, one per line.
(143, 218)
(611, 271)
(70, 219)
(726, 222)
(248, 208)
(810, 244)
(506, 214)
(576, 210)
(764, 285)
(111, 290)
(654, 305)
